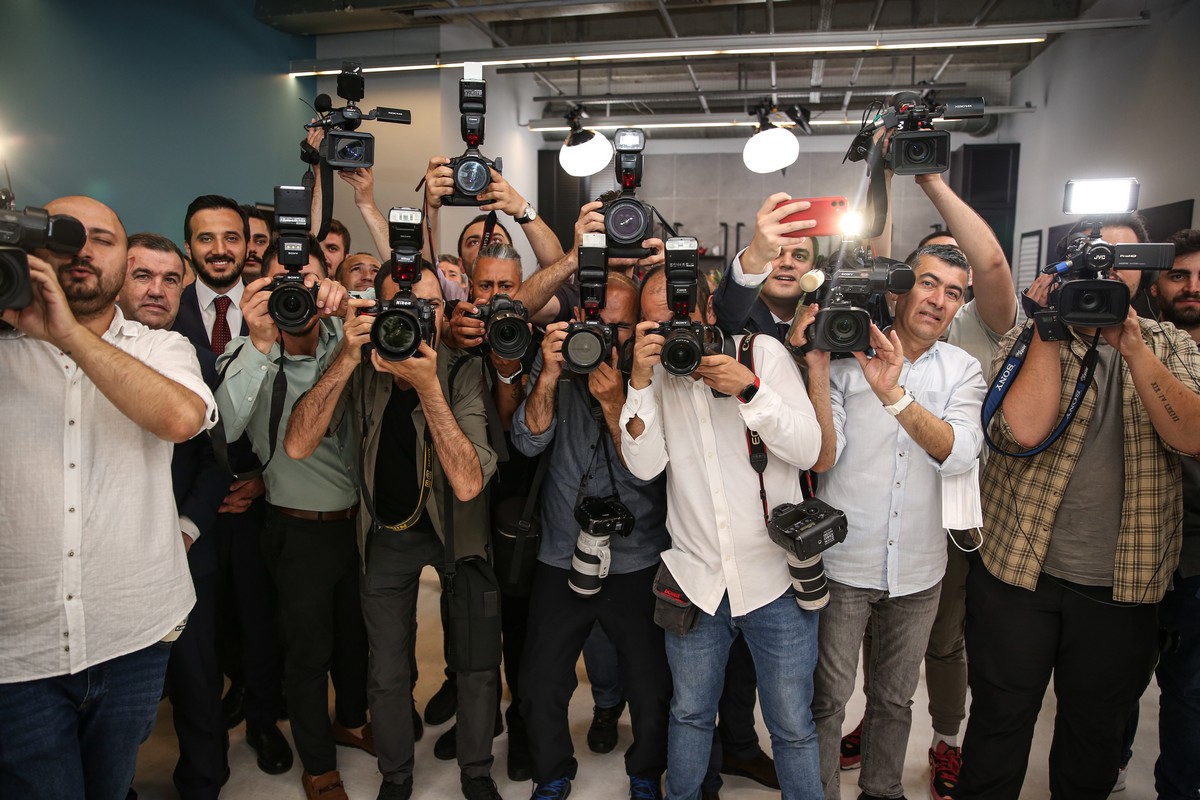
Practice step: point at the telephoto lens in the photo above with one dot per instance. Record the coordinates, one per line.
(808, 579)
(589, 564)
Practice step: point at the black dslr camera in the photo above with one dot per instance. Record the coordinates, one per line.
(1087, 294)
(916, 148)
(472, 174)
(855, 296)
(599, 518)
(687, 341)
(628, 221)
(292, 305)
(33, 229)
(403, 322)
(805, 531)
(343, 147)
(506, 326)
(589, 342)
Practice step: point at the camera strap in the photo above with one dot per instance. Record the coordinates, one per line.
(602, 438)
(1007, 375)
(278, 395)
(754, 444)
(423, 489)
(877, 197)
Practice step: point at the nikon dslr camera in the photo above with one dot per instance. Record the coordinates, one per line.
(687, 341)
(628, 221)
(292, 305)
(506, 326)
(403, 322)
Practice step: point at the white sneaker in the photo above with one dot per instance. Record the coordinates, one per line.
(1119, 786)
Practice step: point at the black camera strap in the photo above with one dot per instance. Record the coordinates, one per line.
(1007, 375)
(602, 438)
(754, 444)
(220, 444)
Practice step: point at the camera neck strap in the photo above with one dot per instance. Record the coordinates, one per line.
(602, 437)
(754, 444)
(220, 444)
(877, 197)
(423, 489)
(1008, 374)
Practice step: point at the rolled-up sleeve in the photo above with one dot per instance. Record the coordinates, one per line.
(962, 413)
(246, 371)
(646, 456)
(780, 411)
(175, 358)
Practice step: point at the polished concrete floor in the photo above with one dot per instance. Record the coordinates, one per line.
(601, 777)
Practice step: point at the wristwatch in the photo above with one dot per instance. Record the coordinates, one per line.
(527, 216)
(747, 394)
(904, 402)
(511, 379)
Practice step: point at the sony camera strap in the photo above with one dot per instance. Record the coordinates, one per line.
(220, 444)
(1007, 375)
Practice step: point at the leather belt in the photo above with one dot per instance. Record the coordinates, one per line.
(318, 516)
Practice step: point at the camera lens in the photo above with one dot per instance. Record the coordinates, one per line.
(589, 564)
(292, 306)
(471, 176)
(350, 150)
(396, 335)
(681, 353)
(918, 151)
(508, 336)
(808, 581)
(626, 221)
(583, 350)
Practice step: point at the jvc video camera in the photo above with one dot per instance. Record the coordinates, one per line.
(20, 233)
(589, 341)
(1087, 294)
(628, 221)
(403, 322)
(471, 170)
(916, 148)
(506, 326)
(599, 518)
(292, 305)
(344, 147)
(687, 341)
(805, 531)
(855, 296)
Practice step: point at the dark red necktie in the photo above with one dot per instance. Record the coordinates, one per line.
(220, 331)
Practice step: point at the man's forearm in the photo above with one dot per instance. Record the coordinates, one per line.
(818, 395)
(933, 435)
(612, 420)
(508, 397)
(460, 462)
(378, 227)
(542, 285)
(882, 244)
(1031, 405)
(313, 412)
(539, 408)
(150, 399)
(1169, 402)
(545, 244)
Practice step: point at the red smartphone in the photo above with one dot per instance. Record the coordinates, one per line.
(827, 211)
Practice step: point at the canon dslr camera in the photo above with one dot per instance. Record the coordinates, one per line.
(292, 305)
(599, 518)
(403, 322)
(506, 326)
(590, 341)
(20, 233)
(628, 221)
(472, 170)
(805, 531)
(856, 296)
(687, 341)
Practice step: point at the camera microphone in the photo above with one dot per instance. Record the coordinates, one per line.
(323, 103)
(813, 280)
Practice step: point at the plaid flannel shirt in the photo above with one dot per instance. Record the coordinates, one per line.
(1021, 496)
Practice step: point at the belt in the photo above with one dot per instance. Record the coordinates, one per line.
(317, 516)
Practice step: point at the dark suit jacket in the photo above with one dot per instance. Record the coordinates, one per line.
(739, 309)
(200, 483)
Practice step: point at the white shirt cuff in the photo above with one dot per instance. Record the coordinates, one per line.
(741, 278)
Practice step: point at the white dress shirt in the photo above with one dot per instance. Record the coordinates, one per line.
(889, 487)
(719, 539)
(207, 298)
(92, 566)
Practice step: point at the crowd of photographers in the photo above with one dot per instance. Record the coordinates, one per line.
(235, 460)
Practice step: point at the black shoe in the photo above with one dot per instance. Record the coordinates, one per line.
(274, 753)
(865, 796)
(418, 726)
(395, 791)
(233, 705)
(520, 762)
(446, 746)
(481, 788)
(602, 736)
(758, 768)
(443, 704)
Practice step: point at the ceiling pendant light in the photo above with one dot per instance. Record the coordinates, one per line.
(584, 152)
(773, 148)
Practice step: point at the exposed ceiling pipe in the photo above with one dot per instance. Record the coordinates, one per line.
(500, 42)
(720, 94)
(771, 30)
(824, 25)
(670, 26)
(988, 7)
(858, 64)
(523, 5)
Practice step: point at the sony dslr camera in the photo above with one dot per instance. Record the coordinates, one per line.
(20, 233)
(805, 531)
(403, 322)
(687, 341)
(472, 170)
(599, 518)
(506, 326)
(855, 296)
(292, 305)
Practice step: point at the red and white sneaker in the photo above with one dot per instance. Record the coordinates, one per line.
(945, 762)
(851, 750)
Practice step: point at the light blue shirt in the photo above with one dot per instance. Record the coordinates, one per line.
(889, 487)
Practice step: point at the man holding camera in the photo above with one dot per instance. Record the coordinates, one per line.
(94, 583)
(916, 402)
(579, 421)
(425, 437)
(309, 536)
(721, 555)
(1076, 558)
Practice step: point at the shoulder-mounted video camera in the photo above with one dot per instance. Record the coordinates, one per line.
(916, 148)
(292, 305)
(855, 296)
(472, 170)
(403, 322)
(687, 341)
(22, 232)
(628, 221)
(589, 341)
(344, 147)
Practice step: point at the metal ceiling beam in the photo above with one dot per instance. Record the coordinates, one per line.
(731, 94)
(487, 31)
(884, 42)
(524, 5)
(824, 24)
(670, 26)
(988, 7)
(859, 64)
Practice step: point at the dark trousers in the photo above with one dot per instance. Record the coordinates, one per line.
(315, 567)
(559, 623)
(1177, 773)
(389, 600)
(194, 680)
(1101, 656)
(248, 613)
(514, 626)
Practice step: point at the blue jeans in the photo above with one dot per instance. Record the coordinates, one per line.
(783, 642)
(600, 661)
(1177, 773)
(77, 736)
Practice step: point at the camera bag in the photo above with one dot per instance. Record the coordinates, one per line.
(518, 534)
(673, 611)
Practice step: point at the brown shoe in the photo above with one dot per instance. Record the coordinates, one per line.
(346, 738)
(326, 786)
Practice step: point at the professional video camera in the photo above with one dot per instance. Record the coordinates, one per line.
(589, 341)
(403, 322)
(1087, 295)
(472, 170)
(599, 518)
(292, 305)
(20, 233)
(856, 296)
(506, 326)
(343, 147)
(916, 148)
(628, 221)
(687, 341)
(805, 531)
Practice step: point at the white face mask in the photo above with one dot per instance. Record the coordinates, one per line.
(961, 508)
